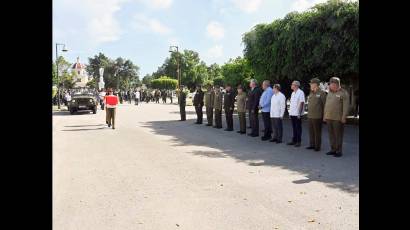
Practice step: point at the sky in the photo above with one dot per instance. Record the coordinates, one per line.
(143, 30)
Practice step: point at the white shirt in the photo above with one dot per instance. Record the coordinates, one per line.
(277, 105)
(68, 97)
(295, 100)
(137, 95)
(102, 94)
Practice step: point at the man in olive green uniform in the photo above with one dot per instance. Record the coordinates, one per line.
(218, 108)
(182, 102)
(316, 104)
(198, 103)
(241, 108)
(335, 113)
(209, 106)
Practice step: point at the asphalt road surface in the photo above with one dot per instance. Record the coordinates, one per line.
(155, 172)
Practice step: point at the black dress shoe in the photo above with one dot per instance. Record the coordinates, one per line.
(238, 131)
(243, 132)
(253, 135)
(109, 125)
(337, 154)
(273, 140)
(228, 129)
(219, 127)
(317, 150)
(265, 138)
(310, 147)
(297, 144)
(291, 143)
(208, 125)
(278, 142)
(330, 153)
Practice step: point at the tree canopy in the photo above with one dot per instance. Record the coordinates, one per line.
(164, 82)
(321, 42)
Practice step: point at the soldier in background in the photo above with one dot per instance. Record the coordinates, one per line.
(218, 107)
(240, 103)
(254, 98)
(198, 103)
(316, 104)
(229, 104)
(209, 106)
(335, 113)
(182, 102)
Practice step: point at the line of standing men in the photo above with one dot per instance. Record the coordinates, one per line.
(331, 107)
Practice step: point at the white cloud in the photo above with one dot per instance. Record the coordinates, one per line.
(151, 24)
(158, 4)
(247, 6)
(302, 5)
(96, 22)
(215, 52)
(215, 30)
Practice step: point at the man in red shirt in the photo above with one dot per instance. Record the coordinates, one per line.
(111, 102)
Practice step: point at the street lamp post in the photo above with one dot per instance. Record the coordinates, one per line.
(58, 77)
(178, 70)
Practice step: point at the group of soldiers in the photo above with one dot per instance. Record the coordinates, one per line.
(155, 95)
(323, 107)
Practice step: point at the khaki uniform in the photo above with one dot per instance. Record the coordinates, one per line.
(218, 109)
(336, 109)
(316, 105)
(209, 100)
(241, 108)
(182, 103)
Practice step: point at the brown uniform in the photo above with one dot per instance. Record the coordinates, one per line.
(241, 108)
(209, 106)
(316, 105)
(336, 109)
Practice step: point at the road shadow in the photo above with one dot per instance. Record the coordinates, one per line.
(83, 125)
(341, 173)
(83, 129)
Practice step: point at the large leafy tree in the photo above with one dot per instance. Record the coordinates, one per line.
(164, 82)
(120, 70)
(237, 71)
(320, 42)
(65, 76)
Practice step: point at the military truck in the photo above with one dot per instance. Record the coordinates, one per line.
(82, 99)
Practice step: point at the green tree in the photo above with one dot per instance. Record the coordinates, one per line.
(320, 42)
(164, 82)
(237, 71)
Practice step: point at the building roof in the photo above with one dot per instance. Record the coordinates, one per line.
(78, 65)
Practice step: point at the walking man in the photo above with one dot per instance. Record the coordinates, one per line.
(335, 113)
(111, 102)
(182, 102)
(137, 97)
(218, 107)
(316, 105)
(264, 104)
(240, 107)
(254, 98)
(277, 110)
(229, 104)
(198, 103)
(297, 102)
(209, 106)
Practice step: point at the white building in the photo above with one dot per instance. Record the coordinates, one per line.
(80, 76)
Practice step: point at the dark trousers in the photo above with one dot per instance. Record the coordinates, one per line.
(229, 118)
(277, 128)
(267, 124)
(199, 114)
(255, 122)
(242, 121)
(336, 129)
(297, 129)
(249, 117)
(209, 114)
(182, 112)
(315, 133)
(111, 116)
(218, 118)
(136, 101)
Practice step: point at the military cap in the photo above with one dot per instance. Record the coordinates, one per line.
(335, 80)
(315, 80)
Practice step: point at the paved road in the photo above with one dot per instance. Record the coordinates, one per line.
(154, 172)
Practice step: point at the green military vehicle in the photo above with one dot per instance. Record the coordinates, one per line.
(82, 99)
